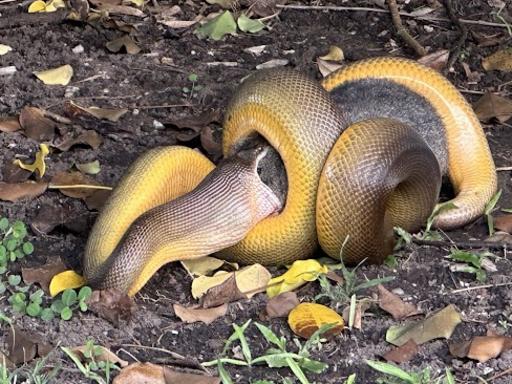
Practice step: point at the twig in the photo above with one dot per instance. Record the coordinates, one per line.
(507, 371)
(463, 244)
(161, 106)
(480, 287)
(377, 10)
(400, 29)
(455, 52)
(500, 169)
(79, 186)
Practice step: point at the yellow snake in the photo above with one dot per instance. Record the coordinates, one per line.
(363, 151)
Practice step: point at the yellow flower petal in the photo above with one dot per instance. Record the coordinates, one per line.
(64, 280)
(38, 164)
(299, 273)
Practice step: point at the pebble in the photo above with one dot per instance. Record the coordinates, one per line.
(6, 71)
(78, 49)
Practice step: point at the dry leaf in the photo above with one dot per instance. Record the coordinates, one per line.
(112, 305)
(361, 307)
(194, 314)
(111, 114)
(440, 325)
(56, 76)
(306, 318)
(491, 106)
(125, 41)
(273, 63)
(301, 272)
(281, 305)
(23, 346)
(68, 279)
(16, 192)
(335, 54)
(472, 76)
(43, 275)
(50, 216)
(211, 141)
(148, 373)
(327, 67)
(91, 138)
(403, 353)
(482, 348)
(503, 223)
(38, 165)
(97, 199)
(92, 168)
(10, 124)
(264, 8)
(120, 10)
(195, 123)
(394, 305)
(36, 125)
(106, 355)
(436, 60)
(500, 60)
(4, 49)
(204, 266)
(72, 179)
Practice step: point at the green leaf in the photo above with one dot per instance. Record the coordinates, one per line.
(83, 306)
(28, 248)
(3, 269)
(243, 342)
(192, 77)
(489, 207)
(313, 365)
(437, 210)
(270, 336)
(11, 244)
(57, 306)
(19, 230)
(84, 293)
(2, 287)
(18, 298)
(297, 371)
(3, 254)
(47, 314)
(4, 224)
(249, 25)
(69, 297)
(14, 280)
(224, 375)
(351, 379)
(19, 307)
(467, 257)
(18, 254)
(392, 370)
(37, 296)
(373, 283)
(33, 309)
(218, 27)
(66, 313)
(449, 379)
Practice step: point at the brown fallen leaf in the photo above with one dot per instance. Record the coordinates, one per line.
(142, 373)
(14, 174)
(121, 10)
(491, 106)
(327, 67)
(500, 236)
(18, 191)
(361, 307)
(281, 305)
(211, 141)
(90, 138)
(194, 314)
(439, 325)
(307, 318)
(10, 124)
(50, 216)
(112, 305)
(500, 60)
(436, 60)
(125, 42)
(472, 76)
(36, 125)
(73, 178)
(43, 275)
(226, 292)
(503, 223)
(111, 114)
(106, 355)
(195, 123)
(95, 201)
(23, 346)
(264, 8)
(482, 348)
(394, 305)
(403, 353)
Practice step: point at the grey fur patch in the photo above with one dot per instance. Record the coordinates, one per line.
(371, 98)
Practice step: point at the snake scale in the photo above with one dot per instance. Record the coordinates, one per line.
(360, 153)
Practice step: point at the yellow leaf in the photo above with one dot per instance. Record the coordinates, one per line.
(64, 280)
(56, 76)
(38, 164)
(4, 49)
(137, 3)
(299, 273)
(306, 318)
(204, 265)
(37, 6)
(335, 54)
(500, 60)
(204, 283)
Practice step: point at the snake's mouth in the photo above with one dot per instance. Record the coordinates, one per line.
(270, 166)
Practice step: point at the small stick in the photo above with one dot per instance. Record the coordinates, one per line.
(455, 52)
(480, 287)
(404, 34)
(507, 371)
(377, 10)
(500, 169)
(462, 244)
(79, 186)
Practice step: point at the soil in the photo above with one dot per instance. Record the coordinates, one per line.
(145, 83)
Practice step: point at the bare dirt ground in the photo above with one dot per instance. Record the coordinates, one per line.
(150, 84)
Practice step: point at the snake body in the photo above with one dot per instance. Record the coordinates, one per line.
(363, 151)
